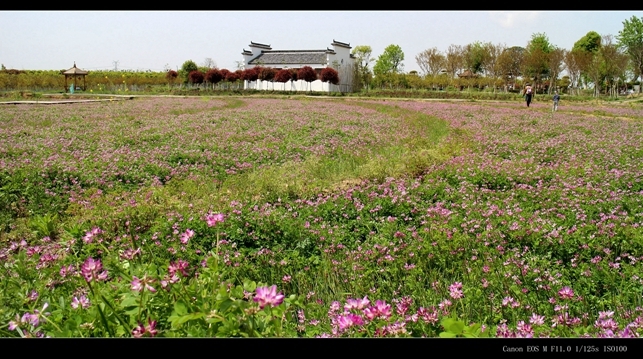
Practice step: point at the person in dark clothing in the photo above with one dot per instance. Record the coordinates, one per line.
(556, 99)
(528, 93)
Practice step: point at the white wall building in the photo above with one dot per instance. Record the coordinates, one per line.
(339, 58)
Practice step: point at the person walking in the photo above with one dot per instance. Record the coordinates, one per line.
(528, 93)
(556, 99)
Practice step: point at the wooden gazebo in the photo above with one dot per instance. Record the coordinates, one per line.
(75, 74)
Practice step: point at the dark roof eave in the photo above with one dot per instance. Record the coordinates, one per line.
(256, 44)
(342, 44)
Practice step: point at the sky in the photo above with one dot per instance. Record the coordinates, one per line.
(158, 40)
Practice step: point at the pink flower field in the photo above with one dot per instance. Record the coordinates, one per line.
(308, 217)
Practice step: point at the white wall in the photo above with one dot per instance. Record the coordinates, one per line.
(299, 85)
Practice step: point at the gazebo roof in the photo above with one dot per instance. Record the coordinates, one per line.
(467, 73)
(75, 71)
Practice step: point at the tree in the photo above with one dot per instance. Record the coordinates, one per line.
(535, 65)
(237, 74)
(431, 61)
(390, 61)
(492, 63)
(307, 74)
(230, 77)
(196, 77)
(474, 57)
(282, 76)
(510, 64)
(594, 70)
(187, 67)
(171, 76)
(362, 61)
(614, 64)
(251, 75)
(454, 60)
(591, 42)
(554, 64)
(267, 74)
(213, 76)
(208, 63)
(588, 45)
(388, 65)
(630, 39)
(330, 75)
(574, 63)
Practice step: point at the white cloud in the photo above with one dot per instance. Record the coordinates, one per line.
(510, 19)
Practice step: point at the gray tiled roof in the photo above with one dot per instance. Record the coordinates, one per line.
(290, 57)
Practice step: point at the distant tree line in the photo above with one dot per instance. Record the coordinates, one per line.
(606, 64)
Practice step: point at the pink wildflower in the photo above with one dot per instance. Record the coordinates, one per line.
(151, 328)
(144, 283)
(455, 290)
(537, 319)
(506, 301)
(566, 293)
(358, 304)
(268, 296)
(138, 331)
(212, 219)
(178, 266)
(82, 302)
(93, 270)
(185, 237)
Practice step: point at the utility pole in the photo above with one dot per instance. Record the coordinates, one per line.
(115, 65)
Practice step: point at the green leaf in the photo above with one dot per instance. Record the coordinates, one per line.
(128, 301)
(447, 335)
(249, 286)
(225, 305)
(456, 327)
(189, 317)
(120, 331)
(447, 322)
(173, 319)
(180, 308)
(237, 292)
(222, 294)
(132, 311)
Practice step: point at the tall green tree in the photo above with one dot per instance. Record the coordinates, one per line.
(390, 61)
(630, 39)
(388, 66)
(363, 59)
(587, 48)
(475, 56)
(591, 42)
(536, 61)
(186, 68)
